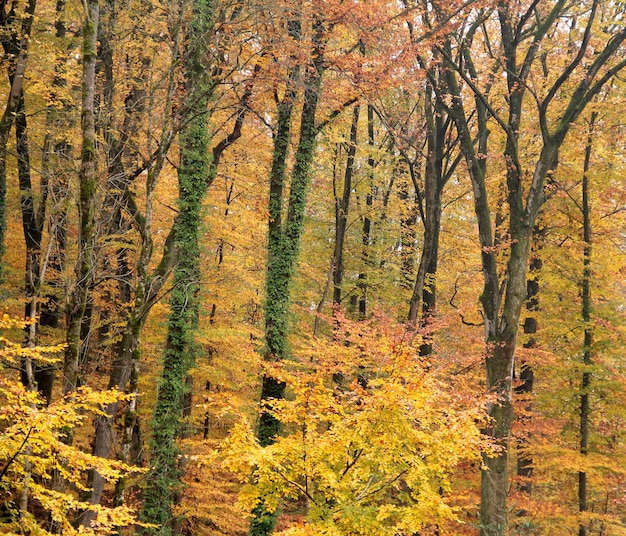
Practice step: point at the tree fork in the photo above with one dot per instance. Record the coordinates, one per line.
(342, 206)
(284, 237)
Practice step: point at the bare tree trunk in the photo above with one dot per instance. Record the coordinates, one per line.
(88, 182)
(585, 287)
(342, 207)
(33, 216)
(56, 166)
(366, 234)
(15, 40)
(424, 291)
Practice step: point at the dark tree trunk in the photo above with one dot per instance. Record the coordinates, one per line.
(33, 215)
(436, 177)
(56, 164)
(366, 233)
(52, 194)
(15, 40)
(585, 288)
(342, 207)
(88, 183)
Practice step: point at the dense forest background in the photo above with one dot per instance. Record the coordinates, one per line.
(313, 268)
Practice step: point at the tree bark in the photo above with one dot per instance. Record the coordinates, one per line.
(527, 375)
(585, 288)
(56, 163)
(342, 207)
(88, 183)
(15, 44)
(33, 217)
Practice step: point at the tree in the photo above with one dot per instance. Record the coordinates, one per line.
(34, 445)
(365, 460)
(194, 177)
(88, 182)
(502, 299)
(588, 332)
(342, 207)
(196, 173)
(284, 233)
(16, 31)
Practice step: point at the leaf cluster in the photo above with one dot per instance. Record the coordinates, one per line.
(371, 437)
(37, 461)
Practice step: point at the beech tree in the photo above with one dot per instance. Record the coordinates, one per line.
(556, 105)
(196, 173)
(16, 31)
(88, 182)
(356, 473)
(180, 351)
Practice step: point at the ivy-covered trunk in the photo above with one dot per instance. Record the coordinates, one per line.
(284, 235)
(163, 480)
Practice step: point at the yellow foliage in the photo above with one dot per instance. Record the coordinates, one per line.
(38, 465)
(371, 437)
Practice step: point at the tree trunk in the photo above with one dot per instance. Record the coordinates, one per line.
(366, 233)
(33, 216)
(284, 237)
(56, 162)
(585, 287)
(104, 432)
(342, 206)
(194, 177)
(88, 182)
(526, 375)
(436, 177)
(15, 44)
